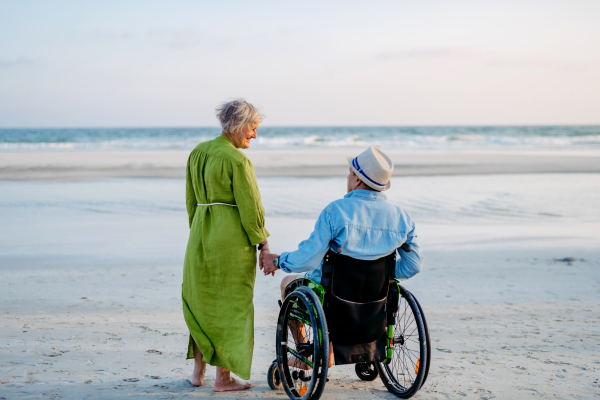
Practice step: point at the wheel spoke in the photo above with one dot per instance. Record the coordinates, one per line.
(407, 325)
(417, 352)
(408, 370)
(405, 369)
(414, 329)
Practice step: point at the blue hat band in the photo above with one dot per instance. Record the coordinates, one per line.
(357, 167)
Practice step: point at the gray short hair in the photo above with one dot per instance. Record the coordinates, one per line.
(236, 114)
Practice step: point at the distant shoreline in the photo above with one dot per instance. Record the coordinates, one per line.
(97, 165)
(329, 138)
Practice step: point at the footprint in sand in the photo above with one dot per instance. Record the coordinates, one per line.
(485, 394)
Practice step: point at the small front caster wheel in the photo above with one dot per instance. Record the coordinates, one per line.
(273, 377)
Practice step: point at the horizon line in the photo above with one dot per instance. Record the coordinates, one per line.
(298, 126)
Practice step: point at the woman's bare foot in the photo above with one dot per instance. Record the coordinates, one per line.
(233, 384)
(196, 380)
(226, 383)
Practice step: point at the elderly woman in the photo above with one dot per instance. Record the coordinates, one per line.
(227, 223)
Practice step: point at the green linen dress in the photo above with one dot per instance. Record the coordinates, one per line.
(220, 261)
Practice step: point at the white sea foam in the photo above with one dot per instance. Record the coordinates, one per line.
(426, 138)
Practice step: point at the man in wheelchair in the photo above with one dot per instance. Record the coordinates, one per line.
(361, 233)
(363, 225)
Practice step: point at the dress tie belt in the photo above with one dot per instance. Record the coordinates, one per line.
(214, 204)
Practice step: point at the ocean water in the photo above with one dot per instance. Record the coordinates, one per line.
(528, 138)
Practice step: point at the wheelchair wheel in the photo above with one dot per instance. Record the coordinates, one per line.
(366, 371)
(302, 345)
(404, 374)
(426, 338)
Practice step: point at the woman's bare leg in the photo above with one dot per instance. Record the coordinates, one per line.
(225, 382)
(197, 377)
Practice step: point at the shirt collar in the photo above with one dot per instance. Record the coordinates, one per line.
(367, 195)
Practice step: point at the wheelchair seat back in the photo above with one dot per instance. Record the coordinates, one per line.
(355, 305)
(360, 281)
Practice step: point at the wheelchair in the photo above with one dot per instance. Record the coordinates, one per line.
(368, 318)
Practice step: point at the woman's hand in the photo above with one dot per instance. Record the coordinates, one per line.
(265, 260)
(267, 263)
(264, 251)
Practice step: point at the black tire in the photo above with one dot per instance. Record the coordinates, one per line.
(404, 374)
(366, 371)
(273, 378)
(427, 338)
(324, 343)
(302, 305)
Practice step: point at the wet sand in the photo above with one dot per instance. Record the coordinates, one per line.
(317, 163)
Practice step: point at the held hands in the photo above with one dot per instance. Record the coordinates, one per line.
(266, 261)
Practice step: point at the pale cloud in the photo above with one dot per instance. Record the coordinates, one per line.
(175, 38)
(109, 35)
(187, 37)
(535, 61)
(580, 67)
(421, 53)
(19, 62)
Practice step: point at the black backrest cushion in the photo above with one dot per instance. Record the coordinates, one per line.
(361, 281)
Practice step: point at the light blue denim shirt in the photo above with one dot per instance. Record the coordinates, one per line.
(362, 225)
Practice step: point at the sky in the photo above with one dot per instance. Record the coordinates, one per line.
(170, 63)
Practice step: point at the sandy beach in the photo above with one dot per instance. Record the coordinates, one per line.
(92, 272)
(116, 331)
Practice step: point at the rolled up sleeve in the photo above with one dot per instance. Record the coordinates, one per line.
(247, 198)
(312, 250)
(411, 263)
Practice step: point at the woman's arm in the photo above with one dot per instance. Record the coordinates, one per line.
(247, 198)
(190, 196)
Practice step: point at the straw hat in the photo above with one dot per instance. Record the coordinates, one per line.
(373, 167)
